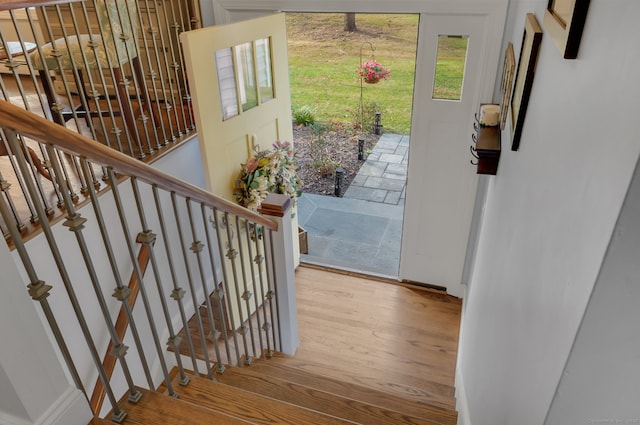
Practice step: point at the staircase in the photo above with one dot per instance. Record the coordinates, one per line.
(277, 391)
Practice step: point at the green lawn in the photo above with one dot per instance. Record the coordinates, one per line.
(323, 63)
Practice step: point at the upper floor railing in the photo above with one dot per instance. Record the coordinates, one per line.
(112, 70)
(230, 268)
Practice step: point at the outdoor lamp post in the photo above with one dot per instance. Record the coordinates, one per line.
(360, 148)
(377, 127)
(339, 181)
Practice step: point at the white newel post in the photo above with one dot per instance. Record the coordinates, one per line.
(33, 385)
(278, 208)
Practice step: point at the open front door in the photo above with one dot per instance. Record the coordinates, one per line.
(239, 80)
(442, 184)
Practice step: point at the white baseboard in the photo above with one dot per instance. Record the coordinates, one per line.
(70, 409)
(461, 400)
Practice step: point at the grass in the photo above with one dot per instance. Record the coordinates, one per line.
(323, 63)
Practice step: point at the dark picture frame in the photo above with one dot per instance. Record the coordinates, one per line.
(524, 77)
(564, 21)
(508, 73)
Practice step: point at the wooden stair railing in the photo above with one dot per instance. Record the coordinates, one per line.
(44, 131)
(121, 326)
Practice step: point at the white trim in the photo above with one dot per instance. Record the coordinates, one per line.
(461, 400)
(7, 419)
(70, 408)
(363, 6)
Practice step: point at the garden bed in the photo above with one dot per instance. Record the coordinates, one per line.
(318, 153)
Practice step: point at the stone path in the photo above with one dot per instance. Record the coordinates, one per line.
(383, 176)
(362, 230)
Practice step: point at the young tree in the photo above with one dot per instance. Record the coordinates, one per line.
(350, 22)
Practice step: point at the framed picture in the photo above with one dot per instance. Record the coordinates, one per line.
(564, 21)
(524, 77)
(508, 72)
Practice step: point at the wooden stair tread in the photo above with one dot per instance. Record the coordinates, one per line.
(429, 392)
(249, 406)
(311, 398)
(415, 405)
(155, 408)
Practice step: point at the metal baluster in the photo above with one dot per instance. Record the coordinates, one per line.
(4, 188)
(27, 103)
(93, 93)
(187, 96)
(268, 295)
(131, 138)
(75, 223)
(118, 414)
(77, 77)
(196, 304)
(177, 293)
(116, 131)
(43, 105)
(273, 290)
(232, 254)
(57, 108)
(125, 82)
(121, 292)
(177, 68)
(152, 74)
(164, 65)
(260, 261)
(133, 57)
(246, 295)
(218, 294)
(197, 247)
(143, 291)
(252, 238)
(148, 238)
(194, 19)
(219, 226)
(33, 217)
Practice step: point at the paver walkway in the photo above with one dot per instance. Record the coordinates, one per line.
(383, 176)
(362, 230)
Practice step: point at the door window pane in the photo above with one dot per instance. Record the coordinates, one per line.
(227, 83)
(265, 78)
(246, 75)
(450, 62)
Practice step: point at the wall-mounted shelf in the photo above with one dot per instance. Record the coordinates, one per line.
(486, 148)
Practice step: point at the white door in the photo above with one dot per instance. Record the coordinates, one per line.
(441, 182)
(239, 79)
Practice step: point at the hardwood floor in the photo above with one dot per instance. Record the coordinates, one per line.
(399, 339)
(396, 339)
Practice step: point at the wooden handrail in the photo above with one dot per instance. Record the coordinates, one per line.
(122, 323)
(45, 131)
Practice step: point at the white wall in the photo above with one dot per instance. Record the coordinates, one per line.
(548, 218)
(33, 387)
(600, 381)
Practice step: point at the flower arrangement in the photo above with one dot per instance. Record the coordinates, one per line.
(267, 171)
(371, 72)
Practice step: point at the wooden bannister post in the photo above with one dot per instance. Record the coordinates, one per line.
(278, 208)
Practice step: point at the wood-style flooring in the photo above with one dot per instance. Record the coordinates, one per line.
(393, 338)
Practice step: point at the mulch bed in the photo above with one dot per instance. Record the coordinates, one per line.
(335, 146)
